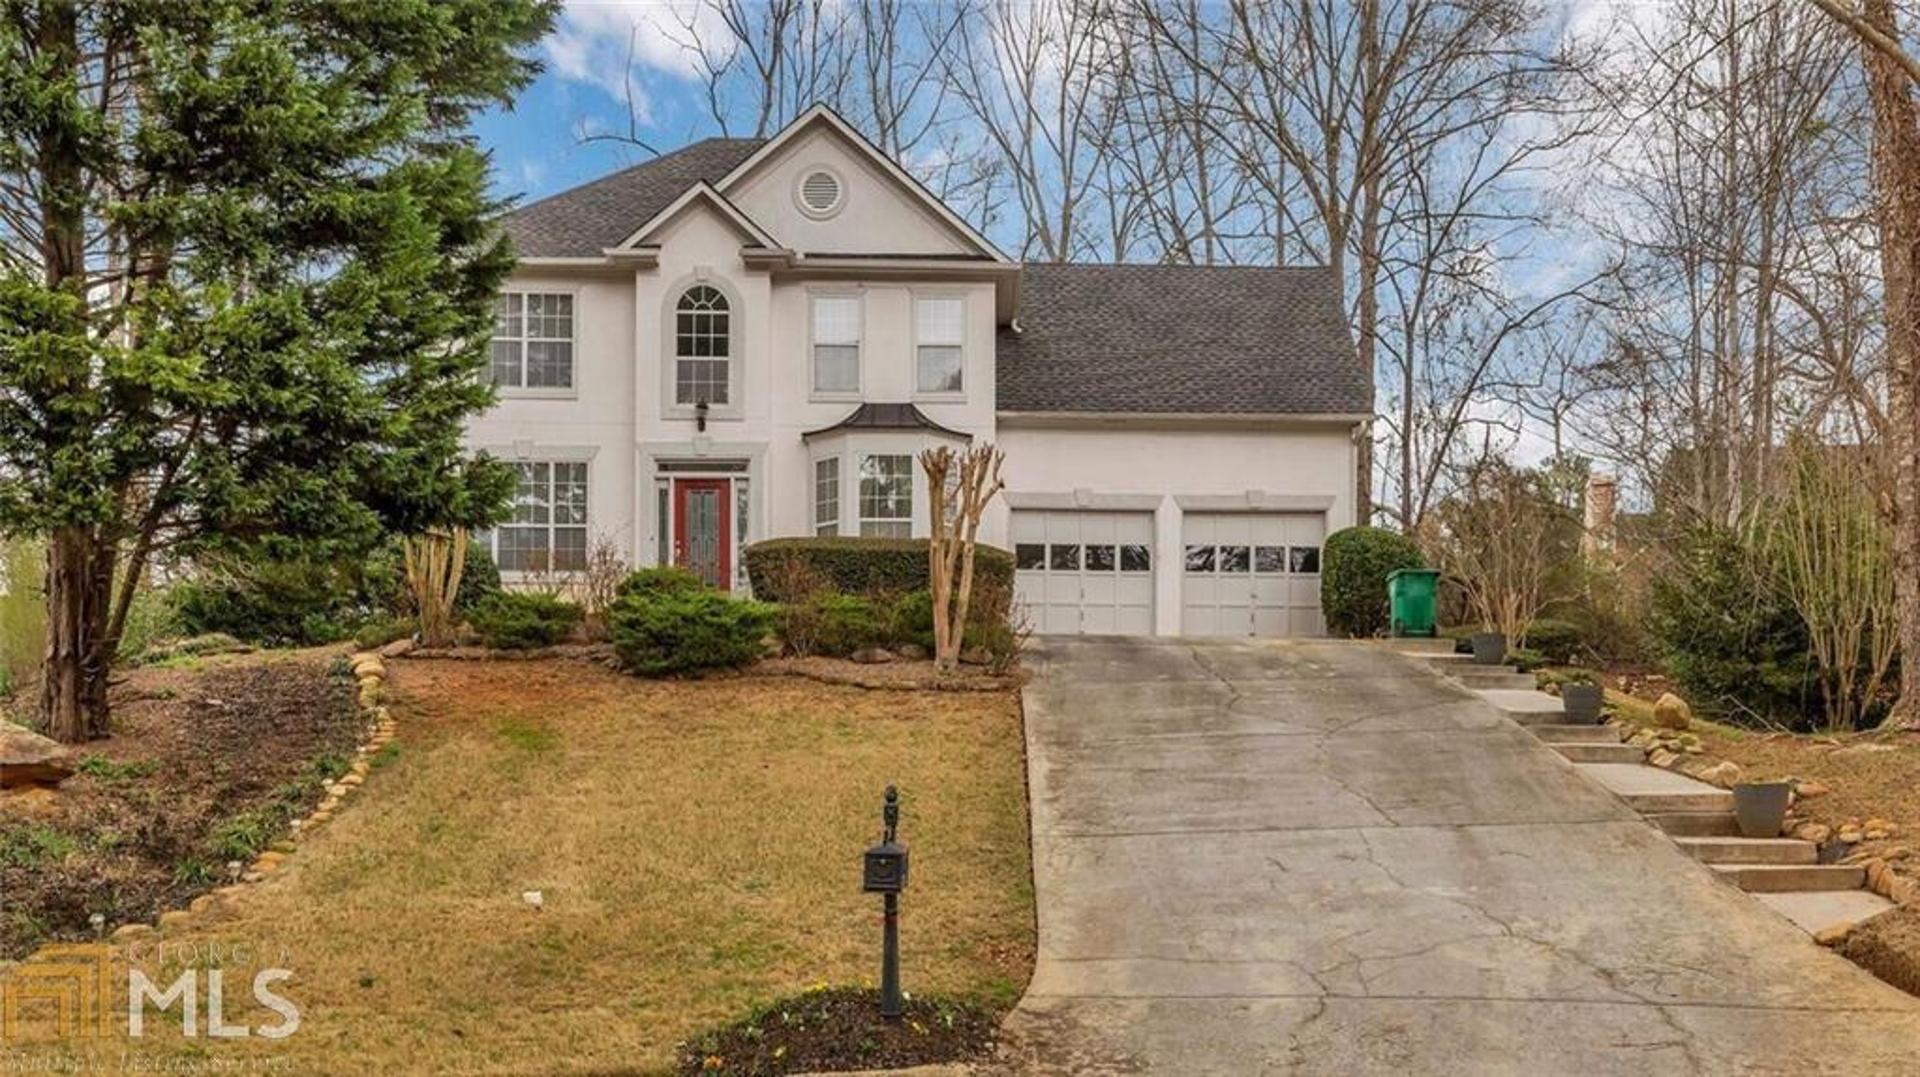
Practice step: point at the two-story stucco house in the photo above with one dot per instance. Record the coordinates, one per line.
(753, 338)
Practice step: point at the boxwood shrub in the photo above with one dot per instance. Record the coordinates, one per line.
(1354, 565)
(866, 566)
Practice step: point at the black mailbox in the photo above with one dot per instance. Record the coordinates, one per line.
(886, 869)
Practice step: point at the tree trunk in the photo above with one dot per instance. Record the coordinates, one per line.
(1896, 166)
(73, 683)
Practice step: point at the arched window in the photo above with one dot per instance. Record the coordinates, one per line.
(702, 335)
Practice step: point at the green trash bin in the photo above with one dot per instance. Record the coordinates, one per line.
(1411, 599)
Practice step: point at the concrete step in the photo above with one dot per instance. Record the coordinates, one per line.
(1815, 911)
(1600, 753)
(1422, 644)
(1481, 682)
(1576, 734)
(1776, 878)
(1648, 790)
(1728, 850)
(1441, 660)
(1697, 824)
(1527, 708)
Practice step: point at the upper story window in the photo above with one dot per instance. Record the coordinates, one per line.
(702, 342)
(836, 344)
(826, 496)
(886, 495)
(939, 333)
(533, 340)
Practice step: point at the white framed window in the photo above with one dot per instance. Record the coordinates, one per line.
(547, 531)
(826, 496)
(886, 495)
(702, 347)
(532, 345)
(939, 334)
(836, 343)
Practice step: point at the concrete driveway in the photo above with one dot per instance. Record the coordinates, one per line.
(1316, 857)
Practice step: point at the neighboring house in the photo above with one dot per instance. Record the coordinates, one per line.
(746, 339)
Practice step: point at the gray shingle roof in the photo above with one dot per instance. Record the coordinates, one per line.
(1180, 339)
(584, 221)
(881, 416)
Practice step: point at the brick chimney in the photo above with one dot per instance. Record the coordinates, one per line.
(1602, 493)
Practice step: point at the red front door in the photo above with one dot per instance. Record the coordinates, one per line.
(702, 533)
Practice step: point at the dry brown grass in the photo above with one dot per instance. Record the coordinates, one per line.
(697, 845)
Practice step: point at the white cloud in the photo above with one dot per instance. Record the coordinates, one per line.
(609, 43)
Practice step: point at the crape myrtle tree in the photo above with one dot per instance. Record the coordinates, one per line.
(246, 275)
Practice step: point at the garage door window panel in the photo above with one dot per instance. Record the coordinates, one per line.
(1063, 558)
(1136, 559)
(1200, 559)
(1305, 559)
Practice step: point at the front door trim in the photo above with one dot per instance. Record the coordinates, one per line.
(687, 544)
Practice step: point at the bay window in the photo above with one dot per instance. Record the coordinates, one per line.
(886, 495)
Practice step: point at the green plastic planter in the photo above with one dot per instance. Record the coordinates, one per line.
(1412, 596)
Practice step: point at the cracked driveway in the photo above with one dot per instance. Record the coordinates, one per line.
(1315, 857)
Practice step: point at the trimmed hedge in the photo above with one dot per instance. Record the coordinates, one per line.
(1354, 564)
(866, 566)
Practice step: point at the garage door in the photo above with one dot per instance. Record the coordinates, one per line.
(1085, 572)
(1251, 574)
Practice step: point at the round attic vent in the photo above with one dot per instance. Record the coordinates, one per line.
(820, 193)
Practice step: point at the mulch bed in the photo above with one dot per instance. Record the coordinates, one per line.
(841, 1029)
(203, 763)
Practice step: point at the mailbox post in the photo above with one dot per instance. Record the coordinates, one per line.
(885, 874)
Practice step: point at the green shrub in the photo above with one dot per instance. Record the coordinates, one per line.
(380, 631)
(874, 567)
(1728, 633)
(913, 619)
(659, 631)
(152, 618)
(270, 601)
(517, 621)
(1560, 641)
(664, 580)
(830, 623)
(1354, 564)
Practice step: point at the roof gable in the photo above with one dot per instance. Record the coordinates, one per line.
(888, 211)
(701, 193)
(586, 220)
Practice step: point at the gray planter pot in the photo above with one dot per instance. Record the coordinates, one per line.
(1582, 703)
(1761, 807)
(1489, 648)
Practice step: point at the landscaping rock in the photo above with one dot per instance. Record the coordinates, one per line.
(1660, 757)
(1809, 790)
(872, 656)
(27, 758)
(1724, 774)
(398, 648)
(1817, 833)
(1850, 837)
(976, 656)
(1834, 935)
(1672, 712)
(131, 931)
(913, 652)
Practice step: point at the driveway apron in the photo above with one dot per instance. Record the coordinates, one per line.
(1317, 857)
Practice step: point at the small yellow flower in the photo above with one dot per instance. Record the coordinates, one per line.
(713, 1062)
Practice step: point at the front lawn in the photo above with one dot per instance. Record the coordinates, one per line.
(696, 849)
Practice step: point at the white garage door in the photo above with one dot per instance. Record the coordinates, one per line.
(1251, 574)
(1085, 572)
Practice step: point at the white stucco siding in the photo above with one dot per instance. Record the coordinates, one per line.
(1171, 471)
(875, 216)
(593, 422)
